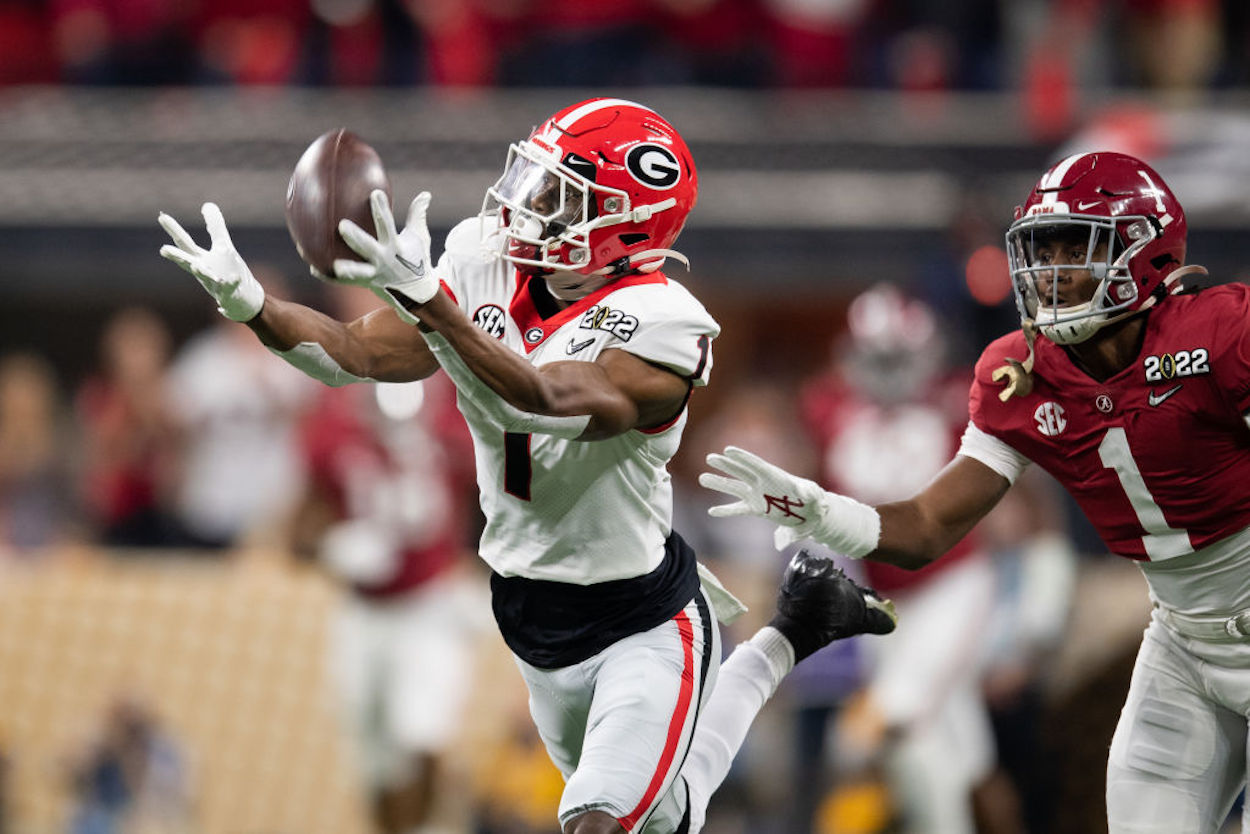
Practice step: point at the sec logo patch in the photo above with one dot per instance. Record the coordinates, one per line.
(490, 317)
(1050, 418)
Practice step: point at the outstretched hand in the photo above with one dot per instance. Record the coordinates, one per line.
(220, 269)
(396, 265)
(800, 508)
(764, 490)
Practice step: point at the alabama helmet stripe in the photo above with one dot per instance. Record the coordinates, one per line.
(1054, 179)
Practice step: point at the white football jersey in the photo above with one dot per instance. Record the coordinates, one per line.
(565, 510)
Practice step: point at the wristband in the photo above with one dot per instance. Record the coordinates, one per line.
(847, 526)
(312, 359)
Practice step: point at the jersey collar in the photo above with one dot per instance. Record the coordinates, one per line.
(535, 328)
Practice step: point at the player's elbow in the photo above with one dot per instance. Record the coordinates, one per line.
(605, 425)
(910, 539)
(610, 413)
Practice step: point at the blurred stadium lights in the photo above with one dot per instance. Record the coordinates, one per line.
(82, 157)
(823, 173)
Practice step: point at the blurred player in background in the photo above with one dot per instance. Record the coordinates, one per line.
(130, 440)
(385, 512)
(887, 416)
(573, 357)
(886, 422)
(1135, 398)
(37, 505)
(236, 410)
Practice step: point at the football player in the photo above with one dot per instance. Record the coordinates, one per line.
(886, 418)
(384, 511)
(573, 356)
(1134, 396)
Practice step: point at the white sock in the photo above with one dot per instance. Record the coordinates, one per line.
(777, 650)
(748, 678)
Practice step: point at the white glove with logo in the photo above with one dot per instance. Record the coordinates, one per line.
(397, 264)
(800, 507)
(219, 269)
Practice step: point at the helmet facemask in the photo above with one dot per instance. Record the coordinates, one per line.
(550, 213)
(1034, 242)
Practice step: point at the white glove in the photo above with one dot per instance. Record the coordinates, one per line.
(397, 264)
(800, 507)
(220, 269)
(360, 550)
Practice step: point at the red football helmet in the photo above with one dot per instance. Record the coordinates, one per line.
(1122, 216)
(602, 189)
(893, 348)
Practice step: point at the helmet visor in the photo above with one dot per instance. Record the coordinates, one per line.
(544, 200)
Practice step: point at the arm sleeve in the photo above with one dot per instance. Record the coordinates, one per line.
(312, 359)
(994, 453)
(486, 401)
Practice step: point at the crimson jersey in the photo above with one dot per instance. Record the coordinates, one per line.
(1157, 456)
(405, 476)
(886, 453)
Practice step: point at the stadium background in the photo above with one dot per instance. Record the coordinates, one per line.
(840, 143)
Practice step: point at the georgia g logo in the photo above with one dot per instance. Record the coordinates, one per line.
(654, 166)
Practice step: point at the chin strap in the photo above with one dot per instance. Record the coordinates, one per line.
(623, 265)
(662, 253)
(1017, 375)
(1172, 282)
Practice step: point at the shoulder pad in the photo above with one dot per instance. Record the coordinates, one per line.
(465, 239)
(1009, 346)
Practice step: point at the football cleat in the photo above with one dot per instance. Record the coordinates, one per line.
(818, 604)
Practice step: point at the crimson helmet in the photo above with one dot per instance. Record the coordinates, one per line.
(602, 188)
(1129, 225)
(893, 348)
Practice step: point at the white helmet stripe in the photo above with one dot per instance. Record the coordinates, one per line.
(1054, 178)
(590, 107)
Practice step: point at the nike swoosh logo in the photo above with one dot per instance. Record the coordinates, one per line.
(1081, 206)
(577, 347)
(417, 269)
(1155, 399)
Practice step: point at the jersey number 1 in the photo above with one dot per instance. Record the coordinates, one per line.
(518, 471)
(1161, 541)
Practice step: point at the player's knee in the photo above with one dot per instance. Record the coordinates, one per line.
(593, 822)
(1137, 806)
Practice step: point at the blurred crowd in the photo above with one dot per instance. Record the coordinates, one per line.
(197, 447)
(1043, 46)
(204, 449)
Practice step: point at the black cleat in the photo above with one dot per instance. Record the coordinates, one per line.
(818, 604)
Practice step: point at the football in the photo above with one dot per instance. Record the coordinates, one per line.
(332, 180)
